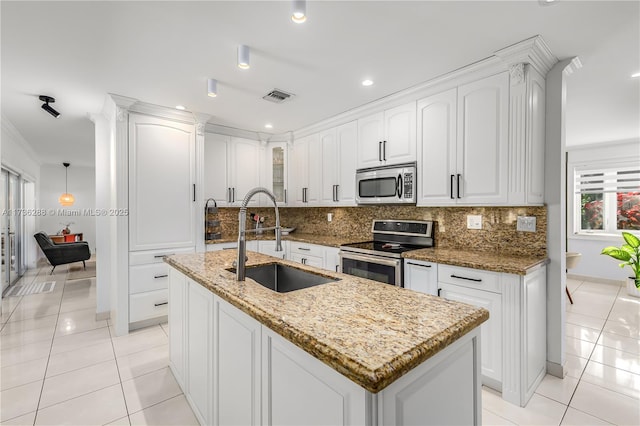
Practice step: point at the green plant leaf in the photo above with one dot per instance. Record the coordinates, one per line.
(616, 253)
(631, 239)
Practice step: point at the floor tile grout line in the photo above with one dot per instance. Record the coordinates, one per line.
(44, 378)
(589, 359)
(160, 402)
(124, 398)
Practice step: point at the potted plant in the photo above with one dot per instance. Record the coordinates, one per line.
(629, 254)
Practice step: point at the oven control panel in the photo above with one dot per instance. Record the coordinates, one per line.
(404, 227)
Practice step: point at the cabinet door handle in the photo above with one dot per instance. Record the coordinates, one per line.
(417, 264)
(194, 192)
(285, 196)
(458, 179)
(384, 150)
(228, 195)
(337, 266)
(160, 276)
(478, 280)
(160, 304)
(233, 195)
(303, 261)
(439, 291)
(159, 256)
(304, 249)
(337, 193)
(451, 181)
(380, 151)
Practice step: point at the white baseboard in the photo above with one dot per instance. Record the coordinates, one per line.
(595, 279)
(556, 369)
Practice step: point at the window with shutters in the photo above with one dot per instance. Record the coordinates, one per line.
(607, 199)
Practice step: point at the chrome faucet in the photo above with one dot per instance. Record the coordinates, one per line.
(242, 225)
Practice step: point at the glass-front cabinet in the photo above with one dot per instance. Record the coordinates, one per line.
(277, 171)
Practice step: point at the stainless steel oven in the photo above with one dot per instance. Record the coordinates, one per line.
(377, 268)
(381, 259)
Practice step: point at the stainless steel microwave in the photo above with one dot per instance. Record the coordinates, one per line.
(394, 184)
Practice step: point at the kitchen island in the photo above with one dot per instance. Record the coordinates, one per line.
(352, 351)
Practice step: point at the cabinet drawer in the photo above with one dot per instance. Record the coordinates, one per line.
(468, 277)
(151, 304)
(154, 276)
(155, 256)
(307, 249)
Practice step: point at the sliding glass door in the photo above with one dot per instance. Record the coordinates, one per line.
(11, 227)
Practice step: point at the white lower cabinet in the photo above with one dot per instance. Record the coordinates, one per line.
(199, 350)
(297, 389)
(237, 340)
(421, 276)
(268, 247)
(235, 371)
(514, 338)
(491, 330)
(307, 254)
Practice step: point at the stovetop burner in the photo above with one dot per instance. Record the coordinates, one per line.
(391, 238)
(389, 249)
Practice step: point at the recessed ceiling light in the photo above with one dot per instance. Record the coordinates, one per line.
(367, 82)
(180, 107)
(269, 126)
(635, 75)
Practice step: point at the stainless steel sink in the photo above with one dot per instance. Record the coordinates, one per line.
(284, 278)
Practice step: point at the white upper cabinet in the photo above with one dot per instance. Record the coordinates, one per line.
(307, 159)
(437, 118)
(231, 168)
(161, 183)
(216, 168)
(387, 137)
(339, 164)
(463, 144)
(245, 169)
(483, 125)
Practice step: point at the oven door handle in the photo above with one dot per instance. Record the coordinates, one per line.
(373, 259)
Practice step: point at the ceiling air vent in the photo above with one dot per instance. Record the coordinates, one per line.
(277, 96)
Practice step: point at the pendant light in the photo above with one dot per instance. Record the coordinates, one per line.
(66, 199)
(243, 57)
(299, 11)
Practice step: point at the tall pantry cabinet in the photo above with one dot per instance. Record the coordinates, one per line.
(153, 151)
(162, 201)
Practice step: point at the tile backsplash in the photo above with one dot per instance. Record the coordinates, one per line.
(498, 233)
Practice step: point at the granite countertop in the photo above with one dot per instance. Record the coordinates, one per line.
(370, 332)
(489, 261)
(323, 240)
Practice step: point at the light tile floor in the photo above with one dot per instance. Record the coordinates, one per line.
(66, 367)
(59, 365)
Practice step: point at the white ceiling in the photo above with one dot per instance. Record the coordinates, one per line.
(163, 52)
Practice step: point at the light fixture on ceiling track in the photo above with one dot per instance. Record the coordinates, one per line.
(66, 199)
(299, 11)
(45, 106)
(243, 57)
(212, 87)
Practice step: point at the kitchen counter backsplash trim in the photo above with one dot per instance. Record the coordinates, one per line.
(351, 224)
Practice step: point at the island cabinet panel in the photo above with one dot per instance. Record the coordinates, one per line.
(200, 352)
(445, 391)
(297, 389)
(237, 366)
(177, 324)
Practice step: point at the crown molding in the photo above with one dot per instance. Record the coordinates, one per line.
(533, 51)
(231, 131)
(16, 137)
